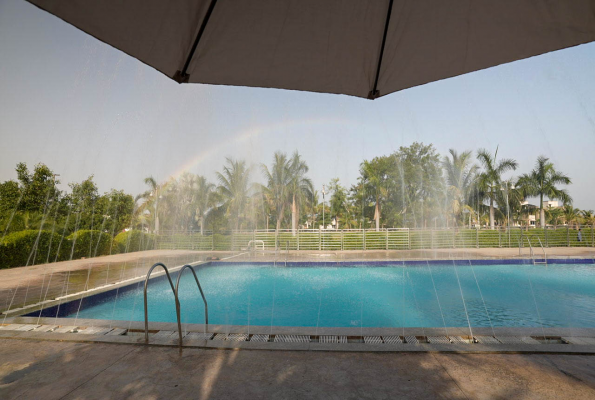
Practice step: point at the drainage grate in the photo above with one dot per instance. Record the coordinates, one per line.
(392, 339)
(198, 336)
(292, 338)
(95, 330)
(237, 337)
(27, 328)
(411, 340)
(372, 340)
(511, 340)
(117, 332)
(46, 328)
(11, 327)
(529, 340)
(487, 339)
(459, 339)
(260, 338)
(66, 329)
(328, 339)
(343, 339)
(163, 334)
(220, 336)
(438, 340)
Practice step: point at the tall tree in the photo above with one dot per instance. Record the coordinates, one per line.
(489, 180)
(460, 178)
(278, 180)
(204, 199)
(300, 188)
(233, 186)
(542, 181)
(375, 177)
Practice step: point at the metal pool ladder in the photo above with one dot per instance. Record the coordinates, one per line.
(532, 253)
(177, 301)
(544, 254)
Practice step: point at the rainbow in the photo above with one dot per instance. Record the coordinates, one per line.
(253, 132)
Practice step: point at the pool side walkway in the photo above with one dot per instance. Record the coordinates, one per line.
(63, 370)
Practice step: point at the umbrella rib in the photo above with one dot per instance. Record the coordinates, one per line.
(374, 93)
(182, 76)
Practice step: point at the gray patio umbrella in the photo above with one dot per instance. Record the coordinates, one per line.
(364, 48)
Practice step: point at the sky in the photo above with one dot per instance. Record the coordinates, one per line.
(84, 108)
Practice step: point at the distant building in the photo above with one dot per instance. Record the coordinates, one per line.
(551, 204)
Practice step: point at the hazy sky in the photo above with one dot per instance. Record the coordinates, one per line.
(83, 108)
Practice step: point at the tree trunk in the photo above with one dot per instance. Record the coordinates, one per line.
(541, 212)
(293, 215)
(280, 218)
(377, 215)
(491, 213)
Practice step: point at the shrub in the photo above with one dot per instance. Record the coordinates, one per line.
(86, 243)
(18, 249)
(134, 240)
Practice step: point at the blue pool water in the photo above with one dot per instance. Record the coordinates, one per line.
(367, 296)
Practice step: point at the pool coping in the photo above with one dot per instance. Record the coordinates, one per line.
(135, 336)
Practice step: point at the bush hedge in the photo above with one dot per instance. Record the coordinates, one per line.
(87, 243)
(19, 248)
(134, 240)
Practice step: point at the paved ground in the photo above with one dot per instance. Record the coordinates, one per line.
(57, 370)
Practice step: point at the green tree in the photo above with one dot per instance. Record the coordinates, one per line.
(375, 177)
(490, 179)
(460, 179)
(278, 180)
(542, 181)
(300, 188)
(233, 186)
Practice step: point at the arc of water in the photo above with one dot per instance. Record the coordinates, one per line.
(437, 299)
(536, 307)
(415, 300)
(463, 298)
(482, 299)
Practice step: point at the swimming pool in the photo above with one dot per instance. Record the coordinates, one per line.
(386, 294)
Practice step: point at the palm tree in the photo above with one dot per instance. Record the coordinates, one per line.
(203, 199)
(300, 188)
(374, 174)
(460, 178)
(489, 179)
(570, 213)
(277, 189)
(151, 199)
(542, 181)
(233, 187)
(554, 215)
(588, 217)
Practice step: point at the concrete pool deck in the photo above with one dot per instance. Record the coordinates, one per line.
(64, 370)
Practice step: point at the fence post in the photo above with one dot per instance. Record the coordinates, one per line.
(500, 237)
(387, 239)
(431, 239)
(546, 242)
(567, 235)
(409, 238)
(364, 238)
(319, 239)
(592, 236)
(341, 239)
(298, 239)
(477, 238)
(212, 240)
(454, 238)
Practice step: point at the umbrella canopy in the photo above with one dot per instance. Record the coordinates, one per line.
(364, 48)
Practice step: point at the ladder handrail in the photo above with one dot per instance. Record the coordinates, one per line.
(178, 300)
(542, 249)
(521, 242)
(145, 292)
